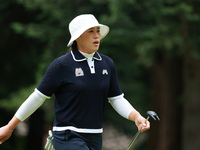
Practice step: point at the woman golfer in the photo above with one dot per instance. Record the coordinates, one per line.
(82, 82)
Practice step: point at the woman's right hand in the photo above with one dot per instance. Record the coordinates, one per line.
(5, 133)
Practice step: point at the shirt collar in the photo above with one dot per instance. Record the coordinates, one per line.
(78, 57)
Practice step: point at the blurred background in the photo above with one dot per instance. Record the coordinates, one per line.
(155, 45)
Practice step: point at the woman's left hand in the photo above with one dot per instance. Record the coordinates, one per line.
(142, 124)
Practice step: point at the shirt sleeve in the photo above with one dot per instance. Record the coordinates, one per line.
(33, 102)
(121, 105)
(114, 89)
(51, 80)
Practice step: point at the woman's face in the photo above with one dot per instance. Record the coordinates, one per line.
(89, 41)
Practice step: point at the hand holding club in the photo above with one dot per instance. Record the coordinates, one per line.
(143, 125)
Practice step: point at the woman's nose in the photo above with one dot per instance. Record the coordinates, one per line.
(96, 34)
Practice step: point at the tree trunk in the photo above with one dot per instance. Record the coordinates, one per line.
(191, 119)
(166, 89)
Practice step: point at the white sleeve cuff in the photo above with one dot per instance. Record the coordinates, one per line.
(121, 105)
(32, 103)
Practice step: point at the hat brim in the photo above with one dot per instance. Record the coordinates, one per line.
(103, 32)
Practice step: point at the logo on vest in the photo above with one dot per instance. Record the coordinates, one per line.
(79, 72)
(105, 72)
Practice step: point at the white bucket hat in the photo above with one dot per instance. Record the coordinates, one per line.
(82, 23)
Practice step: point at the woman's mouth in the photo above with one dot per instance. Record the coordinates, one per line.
(96, 43)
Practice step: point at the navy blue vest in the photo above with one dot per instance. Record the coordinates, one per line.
(80, 95)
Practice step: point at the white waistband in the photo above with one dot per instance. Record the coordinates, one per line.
(79, 130)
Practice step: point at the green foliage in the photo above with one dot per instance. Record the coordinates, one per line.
(150, 27)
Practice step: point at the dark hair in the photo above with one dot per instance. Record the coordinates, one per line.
(73, 46)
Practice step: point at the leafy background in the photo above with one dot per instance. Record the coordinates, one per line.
(155, 47)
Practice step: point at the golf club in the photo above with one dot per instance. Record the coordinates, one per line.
(151, 114)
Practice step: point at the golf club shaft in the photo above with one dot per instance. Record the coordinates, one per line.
(133, 140)
(135, 137)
